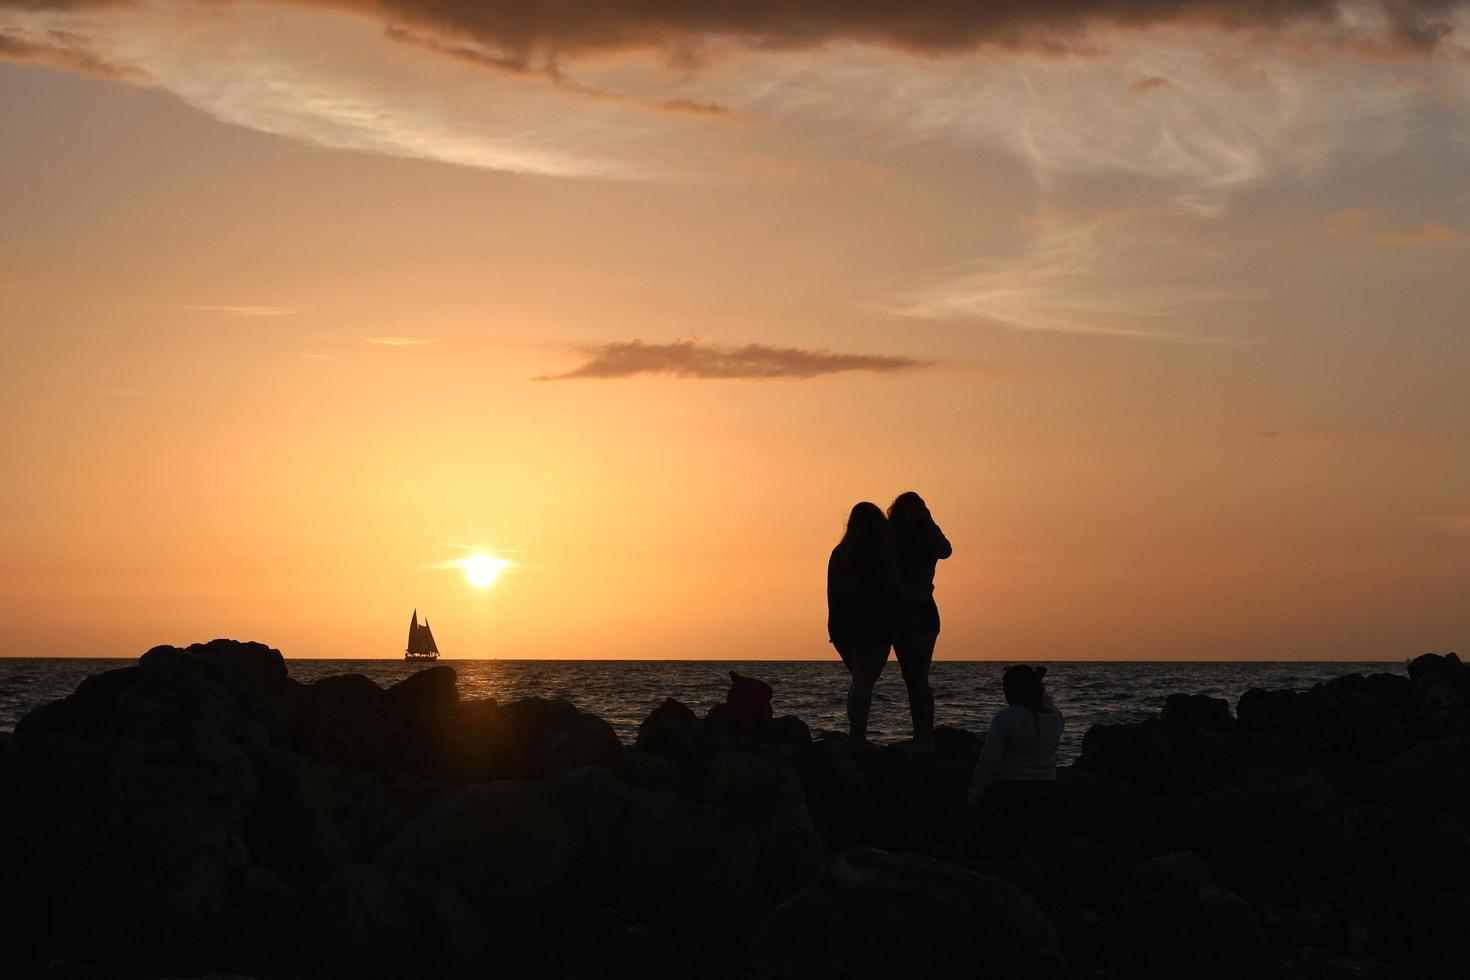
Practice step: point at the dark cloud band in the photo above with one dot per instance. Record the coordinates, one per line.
(930, 26)
(517, 28)
(689, 359)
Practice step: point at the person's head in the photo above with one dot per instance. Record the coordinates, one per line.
(906, 507)
(1022, 684)
(865, 525)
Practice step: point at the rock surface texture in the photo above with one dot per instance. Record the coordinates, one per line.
(202, 814)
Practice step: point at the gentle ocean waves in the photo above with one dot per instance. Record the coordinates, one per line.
(624, 691)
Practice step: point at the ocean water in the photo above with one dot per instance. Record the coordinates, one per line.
(967, 693)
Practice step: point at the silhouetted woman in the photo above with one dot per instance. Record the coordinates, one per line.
(1015, 781)
(918, 546)
(860, 590)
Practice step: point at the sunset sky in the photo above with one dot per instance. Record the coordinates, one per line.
(1164, 306)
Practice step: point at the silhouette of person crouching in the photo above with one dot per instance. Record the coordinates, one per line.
(1014, 788)
(918, 546)
(861, 585)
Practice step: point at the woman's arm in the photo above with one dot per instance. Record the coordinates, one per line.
(942, 548)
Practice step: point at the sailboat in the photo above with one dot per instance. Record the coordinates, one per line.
(421, 645)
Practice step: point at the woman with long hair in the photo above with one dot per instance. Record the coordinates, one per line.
(1014, 787)
(918, 546)
(860, 590)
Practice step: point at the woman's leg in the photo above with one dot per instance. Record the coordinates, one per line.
(915, 652)
(865, 662)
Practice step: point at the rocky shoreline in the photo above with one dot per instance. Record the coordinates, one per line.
(201, 813)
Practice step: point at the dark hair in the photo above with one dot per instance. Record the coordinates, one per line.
(865, 523)
(1024, 683)
(906, 506)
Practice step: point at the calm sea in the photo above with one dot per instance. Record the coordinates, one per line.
(624, 692)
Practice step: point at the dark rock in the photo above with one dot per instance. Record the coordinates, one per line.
(836, 790)
(367, 923)
(23, 926)
(534, 737)
(765, 795)
(1429, 929)
(1175, 923)
(1095, 874)
(916, 802)
(1318, 964)
(1300, 813)
(504, 846)
(1445, 669)
(873, 914)
(1142, 754)
(427, 696)
(958, 746)
(650, 772)
(1104, 808)
(673, 731)
(1196, 711)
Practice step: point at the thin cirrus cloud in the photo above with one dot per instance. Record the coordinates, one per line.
(1375, 226)
(1117, 275)
(255, 312)
(750, 362)
(62, 49)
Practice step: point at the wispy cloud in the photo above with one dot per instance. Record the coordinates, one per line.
(63, 49)
(246, 311)
(757, 362)
(1100, 277)
(1375, 226)
(401, 341)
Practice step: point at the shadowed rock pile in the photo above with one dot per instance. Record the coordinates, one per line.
(202, 813)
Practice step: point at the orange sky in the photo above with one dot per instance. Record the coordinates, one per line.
(1167, 323)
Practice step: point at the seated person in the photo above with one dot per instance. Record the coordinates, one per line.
(1015, 782)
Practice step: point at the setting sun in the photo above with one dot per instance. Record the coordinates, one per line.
(482, 570)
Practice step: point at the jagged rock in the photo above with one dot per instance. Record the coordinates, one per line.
(427, 696)
(1104, 808)
(1175, 924)
(1095, 874)
(836, 790)
(367, 923)
(672, 731)
(1142, 754)
(1300, 813)
(1196, 711)
(534, 737)
(957, 745)
(916, 802)
(1429, 929)
(601, 944)
(1328, 965)
(764, 794)
(23, 936)
(873, 914)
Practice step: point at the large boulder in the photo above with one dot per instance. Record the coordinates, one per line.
(1183, 711)
(530, 738)
(367, 923)
(1176, 924)
(762, 793)
(836, 790)
(873, 914)
(673, 731)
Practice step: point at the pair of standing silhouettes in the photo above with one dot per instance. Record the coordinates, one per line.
(880, 594)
